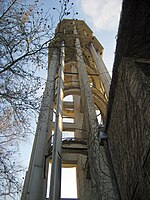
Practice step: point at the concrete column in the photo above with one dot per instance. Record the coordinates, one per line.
(84, 186)
(101, 182)
(103, 73)
(35, 179)
(91, 120)
(55, 184)
(78, 116)
(105, 154)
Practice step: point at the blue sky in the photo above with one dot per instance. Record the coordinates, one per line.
(102, 16)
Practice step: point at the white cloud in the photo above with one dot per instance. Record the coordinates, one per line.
(104, 14)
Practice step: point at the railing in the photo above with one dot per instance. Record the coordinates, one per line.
(66, 140)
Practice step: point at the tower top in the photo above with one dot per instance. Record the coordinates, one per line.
(67, 27)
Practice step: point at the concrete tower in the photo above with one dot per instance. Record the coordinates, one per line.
(70, 130)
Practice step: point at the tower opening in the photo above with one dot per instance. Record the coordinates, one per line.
(68, 182)
(68, 98)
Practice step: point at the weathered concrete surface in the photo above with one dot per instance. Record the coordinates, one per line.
(104, 76)
(84, 185)
(76, 121)
(55, 186)
(99, 172)
(128, 118)
(35, 181)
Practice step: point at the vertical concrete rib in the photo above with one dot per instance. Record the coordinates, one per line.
(35, 176)
(101, 182)
(103, 73)
(55, 184)
(91, 120)
(50, 80)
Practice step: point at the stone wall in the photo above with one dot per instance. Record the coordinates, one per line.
(128, 117)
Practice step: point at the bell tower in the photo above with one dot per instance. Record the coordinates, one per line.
(72, 116)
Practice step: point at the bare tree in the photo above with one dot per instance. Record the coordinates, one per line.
(25, 31)
(10, 183)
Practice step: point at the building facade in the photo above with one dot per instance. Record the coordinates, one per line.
(73, 111)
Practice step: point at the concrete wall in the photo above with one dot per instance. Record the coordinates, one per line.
(128, 118)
